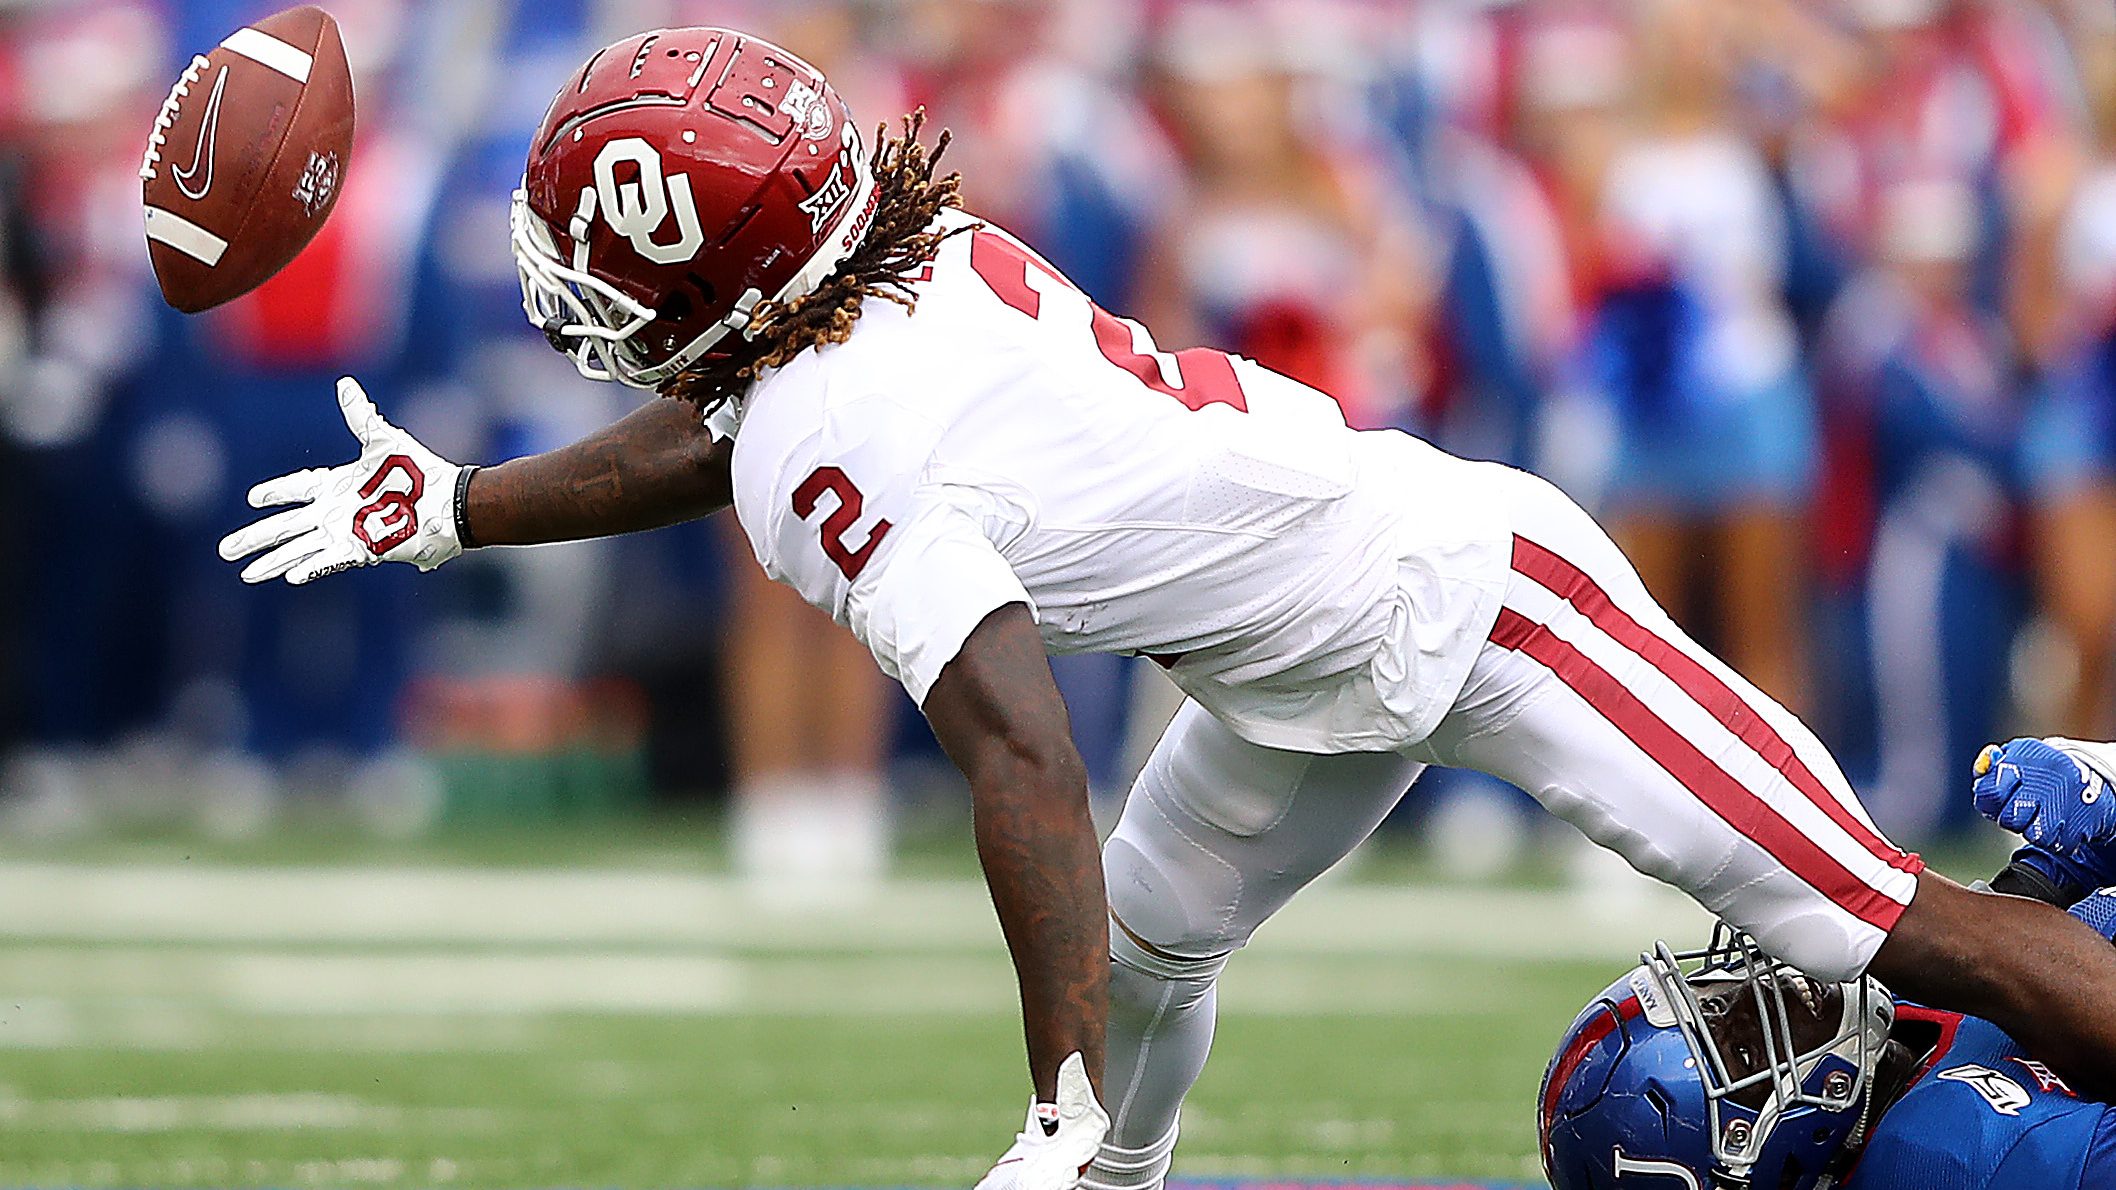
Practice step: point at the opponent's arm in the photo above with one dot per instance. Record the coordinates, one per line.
(657, 466)
(998, 714)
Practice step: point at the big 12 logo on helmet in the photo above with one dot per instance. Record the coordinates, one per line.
(825, 202)
(390, 517)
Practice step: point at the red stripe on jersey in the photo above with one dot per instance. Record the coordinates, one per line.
(1948, 1023)
(1718, 699)
(1733, 802)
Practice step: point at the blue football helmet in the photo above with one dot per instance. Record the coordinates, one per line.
(1716, 1068)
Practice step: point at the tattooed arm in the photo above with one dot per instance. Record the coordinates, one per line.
(997, 712)
(655, 467)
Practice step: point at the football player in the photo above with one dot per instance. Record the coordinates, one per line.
(1727, 1068)
(932, 435)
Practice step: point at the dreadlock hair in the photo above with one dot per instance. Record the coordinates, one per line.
(898, 245)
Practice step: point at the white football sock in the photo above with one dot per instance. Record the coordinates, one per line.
(1117, 1168)
(1161, 1013)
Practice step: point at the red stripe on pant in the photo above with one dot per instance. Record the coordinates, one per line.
(1718, 699)
(1735, 804)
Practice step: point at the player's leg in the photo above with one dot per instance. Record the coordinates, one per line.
(1591, 699)
(1217, 834)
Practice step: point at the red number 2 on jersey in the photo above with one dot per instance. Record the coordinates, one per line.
(1206, 377)
(841, 519)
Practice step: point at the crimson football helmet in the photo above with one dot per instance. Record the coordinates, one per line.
(681, 179)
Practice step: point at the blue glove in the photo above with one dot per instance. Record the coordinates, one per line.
(2038, 875)
(2055, 793)
(2098, 910)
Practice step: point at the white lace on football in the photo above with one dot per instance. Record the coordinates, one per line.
(166, 118)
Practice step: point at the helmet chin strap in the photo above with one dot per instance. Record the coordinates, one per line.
(1892, 1076)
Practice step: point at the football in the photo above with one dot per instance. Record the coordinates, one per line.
(246, 157)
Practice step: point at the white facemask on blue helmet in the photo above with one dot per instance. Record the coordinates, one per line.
(1721, 1067)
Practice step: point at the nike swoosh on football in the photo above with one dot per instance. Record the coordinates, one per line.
(208, 134)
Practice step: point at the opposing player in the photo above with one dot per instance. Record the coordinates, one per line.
(932, 435)
(1724, 1068)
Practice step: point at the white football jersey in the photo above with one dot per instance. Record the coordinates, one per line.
(1316, 588)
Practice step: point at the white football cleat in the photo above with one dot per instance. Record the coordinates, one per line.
(1058, 1142)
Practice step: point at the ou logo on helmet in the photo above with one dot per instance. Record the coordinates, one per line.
(1666, 1169)
(637, 209)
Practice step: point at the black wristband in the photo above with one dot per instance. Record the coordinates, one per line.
(462, 508)
(2020, 880)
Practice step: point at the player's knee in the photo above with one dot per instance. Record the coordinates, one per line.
(1820, 945)
(1169, 898)
(1143, 983)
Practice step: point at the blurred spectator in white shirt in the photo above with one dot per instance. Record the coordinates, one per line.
(1691, 350)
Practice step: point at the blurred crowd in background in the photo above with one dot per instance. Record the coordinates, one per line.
(1812, 301)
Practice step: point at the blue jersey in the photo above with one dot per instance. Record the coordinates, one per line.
(1983, 1116)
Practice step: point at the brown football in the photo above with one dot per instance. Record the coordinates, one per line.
(246, 157)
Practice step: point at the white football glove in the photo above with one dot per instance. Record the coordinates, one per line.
(395, 503)
(1059, 1141)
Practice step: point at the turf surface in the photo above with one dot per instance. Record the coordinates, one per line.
(743, 1101)
(223, 1023)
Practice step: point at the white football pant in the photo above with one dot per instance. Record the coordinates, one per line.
(1587, 696)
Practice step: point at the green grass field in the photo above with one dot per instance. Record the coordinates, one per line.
(467, 1019)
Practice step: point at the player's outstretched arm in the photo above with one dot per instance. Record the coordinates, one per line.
(400, 502)
(657, 466)
(997, 712)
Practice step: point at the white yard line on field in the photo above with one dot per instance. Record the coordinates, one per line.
(163, 997)
(373, 983)
(229, 1113)
(152, 1016)
(616, 909)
